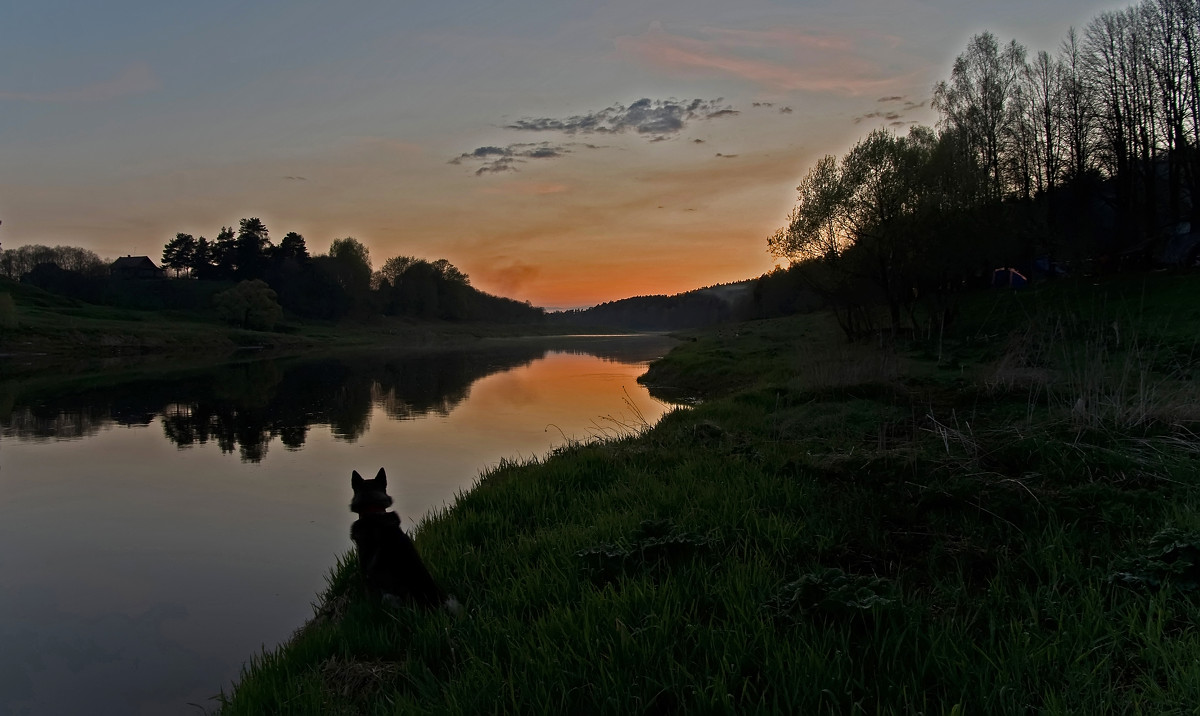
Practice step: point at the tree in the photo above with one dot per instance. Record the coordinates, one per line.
(250, 304)
(450, 272)
(201, 265)
(224, 253)
(252, 248)
(391, 271)
(292, 247)
(1075, 110)
(893, 216)
(979, 100)
(180, 253)
(350, 262)
(816, 227)
(1043, 81)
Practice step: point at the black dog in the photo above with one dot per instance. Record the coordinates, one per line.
(387, 557)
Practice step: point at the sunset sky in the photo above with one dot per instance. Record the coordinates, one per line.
(565, 153)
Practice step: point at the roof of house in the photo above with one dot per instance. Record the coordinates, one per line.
(133, 262)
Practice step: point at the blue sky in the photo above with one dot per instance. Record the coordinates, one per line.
(507, 137)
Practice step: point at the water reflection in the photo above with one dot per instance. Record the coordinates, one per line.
(245, 406)
(142, 571)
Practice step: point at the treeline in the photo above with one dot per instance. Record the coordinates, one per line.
(250, 281)
(1087, 157)
(342, 282)
(15, 263)
(691, 309)
(81, 274)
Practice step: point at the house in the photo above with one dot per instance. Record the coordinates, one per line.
(135, 267)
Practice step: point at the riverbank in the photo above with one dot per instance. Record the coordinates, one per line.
(1004, 520)
(40, 330)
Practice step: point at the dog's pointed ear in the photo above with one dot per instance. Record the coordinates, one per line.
(381, 477)
(356, 480)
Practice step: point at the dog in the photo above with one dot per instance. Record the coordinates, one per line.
(387, 557)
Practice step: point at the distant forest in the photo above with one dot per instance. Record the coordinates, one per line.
(1081, 160)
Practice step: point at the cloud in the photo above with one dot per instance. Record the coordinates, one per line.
(893, 116)
(722, 113)
(785, 110)
(781, 59)
(496, 160)
(508, 277)
(133, 80)
(658, 118)
(890, 116)
(296, 178)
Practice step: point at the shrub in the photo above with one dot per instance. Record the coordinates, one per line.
(250, 304)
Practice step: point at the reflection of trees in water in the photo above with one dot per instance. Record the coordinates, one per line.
(244, 407)
(26, 423)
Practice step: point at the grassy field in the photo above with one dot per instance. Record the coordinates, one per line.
(1001, 521)
(40, 330)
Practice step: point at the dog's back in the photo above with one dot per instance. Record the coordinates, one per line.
(387, 557)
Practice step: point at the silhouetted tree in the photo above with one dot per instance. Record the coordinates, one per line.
(224, 253)
(291, 247)
(179, 254)
(980, 102)
(252, 249)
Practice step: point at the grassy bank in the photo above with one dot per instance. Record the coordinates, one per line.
(40, 329)
(1000, 521)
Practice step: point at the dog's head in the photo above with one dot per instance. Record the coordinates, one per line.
(369, 495)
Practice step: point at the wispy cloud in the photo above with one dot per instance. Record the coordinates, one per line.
(782, 110)
(506, 276)
(495, 160)
(782, 59)
(657, 118)
(893, 116)
(133, 80)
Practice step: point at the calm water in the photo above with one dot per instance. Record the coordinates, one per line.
(155, 533)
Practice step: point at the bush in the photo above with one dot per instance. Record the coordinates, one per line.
(250, 304)
(8, 311)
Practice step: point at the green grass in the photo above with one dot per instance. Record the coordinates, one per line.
(830, 529)
(35, 323)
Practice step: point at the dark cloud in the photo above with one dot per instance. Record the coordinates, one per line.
(482, 152)
(889, 116)
(697, 141)
(495, 160)
(785, 110)
(763, 104)
(291, 178)
(726, 156)
(655, 117)
(893, 98)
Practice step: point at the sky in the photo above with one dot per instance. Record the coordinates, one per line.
(565, 153)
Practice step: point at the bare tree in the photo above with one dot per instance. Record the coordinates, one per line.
(1076, 110)
(978, 101)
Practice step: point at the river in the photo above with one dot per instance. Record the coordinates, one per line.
(158, 527)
